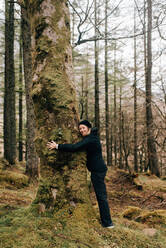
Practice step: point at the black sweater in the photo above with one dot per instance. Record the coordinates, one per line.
(91, 144)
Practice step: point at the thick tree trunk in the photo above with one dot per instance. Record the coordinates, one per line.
(32, 167)
(63, 175)
(152, 153)
(9, 94)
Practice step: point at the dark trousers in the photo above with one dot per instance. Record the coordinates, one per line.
(97, 179)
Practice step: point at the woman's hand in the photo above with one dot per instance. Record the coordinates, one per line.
(52, 145)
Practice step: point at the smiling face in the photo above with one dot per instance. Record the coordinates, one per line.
(84, 130)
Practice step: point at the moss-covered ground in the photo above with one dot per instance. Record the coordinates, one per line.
(132, 211)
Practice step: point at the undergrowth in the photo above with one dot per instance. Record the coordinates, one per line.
(21, 225)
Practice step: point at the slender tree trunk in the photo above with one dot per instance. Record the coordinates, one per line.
(106, 89)
(135, 97)
(126, 153)
(32, 167)
(97, 110)
(111, 136)
(145, 69)
(82, 98)
(9, 94)
(120, 128)
(115, 117)
(20, 148)
(86, 91)
(152, 153)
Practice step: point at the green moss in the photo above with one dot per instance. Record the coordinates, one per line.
(40, 26)
(131, 212)
(15, 178)
(34, 5)
(152, 218)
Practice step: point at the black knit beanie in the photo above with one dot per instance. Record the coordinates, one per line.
(86, 123)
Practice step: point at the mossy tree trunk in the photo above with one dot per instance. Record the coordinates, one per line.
(63, 175)
(32, 167)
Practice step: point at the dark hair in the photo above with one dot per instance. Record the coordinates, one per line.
(86, 123)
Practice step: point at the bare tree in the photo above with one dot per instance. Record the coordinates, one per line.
(96, 49)
(106, 88)
(20, 149)
(135, 97)
(9, 93)
(151, 146)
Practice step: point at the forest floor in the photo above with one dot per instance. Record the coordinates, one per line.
(138, 209)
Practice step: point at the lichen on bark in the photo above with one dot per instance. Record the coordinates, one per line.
(63, 175)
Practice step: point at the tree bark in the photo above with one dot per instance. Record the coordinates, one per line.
(9, 94)
(32, 167)
(135, 97)
(120, 128)
(115, 117)
(151, 146)
(63, 175)
(106, 89)
(20, 148)
(97, 109)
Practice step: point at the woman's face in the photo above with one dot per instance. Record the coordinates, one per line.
(84, 130)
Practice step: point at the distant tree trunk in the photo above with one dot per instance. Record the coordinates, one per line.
(20, 148)
(32, 167)
(126, 152)
(120, 128)
(9, 94)
(151, 146)
(87, 90)
(63, 175)
(111, 136)
(86, 99)
(145, 38)
(145, 68)
(82, 99)
(97, 109)
(135, 97)
(115, 117)
(106, 89)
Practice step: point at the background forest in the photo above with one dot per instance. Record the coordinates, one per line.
(118, 56)
(66, 60)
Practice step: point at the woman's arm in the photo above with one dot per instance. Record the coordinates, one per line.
(81, 145)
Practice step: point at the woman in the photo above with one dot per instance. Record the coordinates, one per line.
(95, 164)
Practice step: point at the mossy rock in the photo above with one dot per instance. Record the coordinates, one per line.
(3, 164)
(14, 178)
(151, 182)
(131, 212)
(152, 218)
